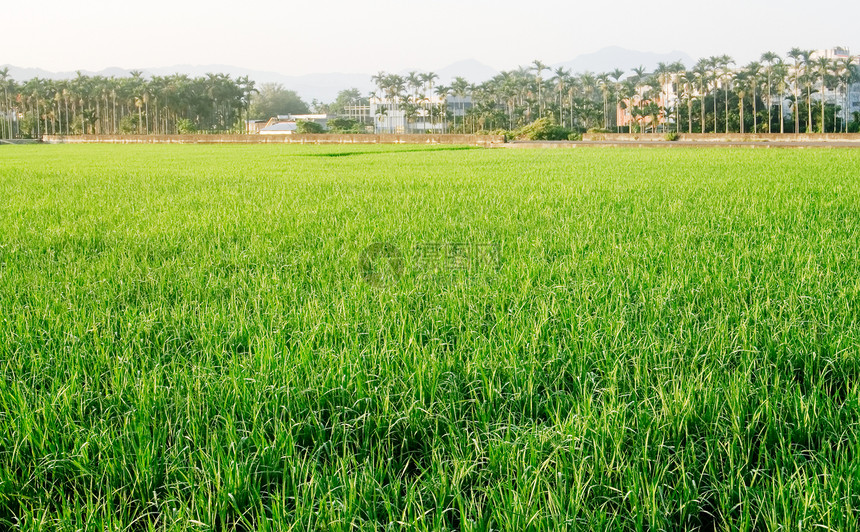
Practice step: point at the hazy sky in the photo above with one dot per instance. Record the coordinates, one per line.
(300, 37)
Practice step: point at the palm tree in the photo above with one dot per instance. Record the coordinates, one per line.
(843, 76)
(662, 77)
(6, 131)
(781, 71)
(727, 75)
(677, 73)
(769, 58)
(823, 69)
(807, 82)
(742, 82)
(850, 76)
(378, 79)
(701, 71)
(460, 88)
(714, 69)
(560, 76)
(538, 67)
(616, 75)
(627, 95)
(796, 54)
(686, 81)
(639, 74)
(429, 78)
(605, 88)
(752, 72)
(442, 93)
(413, 82)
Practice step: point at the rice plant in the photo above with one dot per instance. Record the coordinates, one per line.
(588, 339)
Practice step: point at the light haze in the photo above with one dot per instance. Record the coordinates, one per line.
(302, 37)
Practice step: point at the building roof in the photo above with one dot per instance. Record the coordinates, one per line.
(280, 126)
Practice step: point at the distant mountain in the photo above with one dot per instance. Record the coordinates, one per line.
(608, 59)
(323, 87)
(23, 74)
(474, 71)
(470, 69)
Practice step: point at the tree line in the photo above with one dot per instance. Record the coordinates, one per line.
(101, 105)
(799, 92)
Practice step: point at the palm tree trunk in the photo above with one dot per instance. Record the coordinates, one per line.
(823, 128)
(782, 111)
(689, 115)
(769, 105)
(796, 103)
(715, 106)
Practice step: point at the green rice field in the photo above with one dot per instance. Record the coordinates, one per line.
(376, 338)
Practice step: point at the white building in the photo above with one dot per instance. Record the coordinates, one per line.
(837, 52)
(359, 113)
(846, 98)
(430, 114)
(285, 124)
(254, 126)
(280, 128)
(321, 119)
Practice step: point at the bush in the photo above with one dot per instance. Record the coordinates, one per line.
(854, 125)
(305, 127)
(502, 132)
(345, 126)
(128, 125)
(672, 136)
(542, 129)
(185, 126)
(575, 136)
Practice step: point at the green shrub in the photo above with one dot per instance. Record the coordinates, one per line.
(185, 126)
(128, 125)
(672, 136)
(542, 129)
(345, 126)
(306, 127)
(854, 125)
(575, 136)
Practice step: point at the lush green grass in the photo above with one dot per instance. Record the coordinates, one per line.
(669, 340)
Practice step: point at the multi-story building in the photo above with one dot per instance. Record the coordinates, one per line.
(845, 96)
(430, 114)
(359, 113)
(630, 111)
(837, 52)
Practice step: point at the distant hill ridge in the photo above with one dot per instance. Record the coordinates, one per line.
(325, 86)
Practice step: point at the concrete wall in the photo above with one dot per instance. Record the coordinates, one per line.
(18, 141)
(730, 137)
(469, 140)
